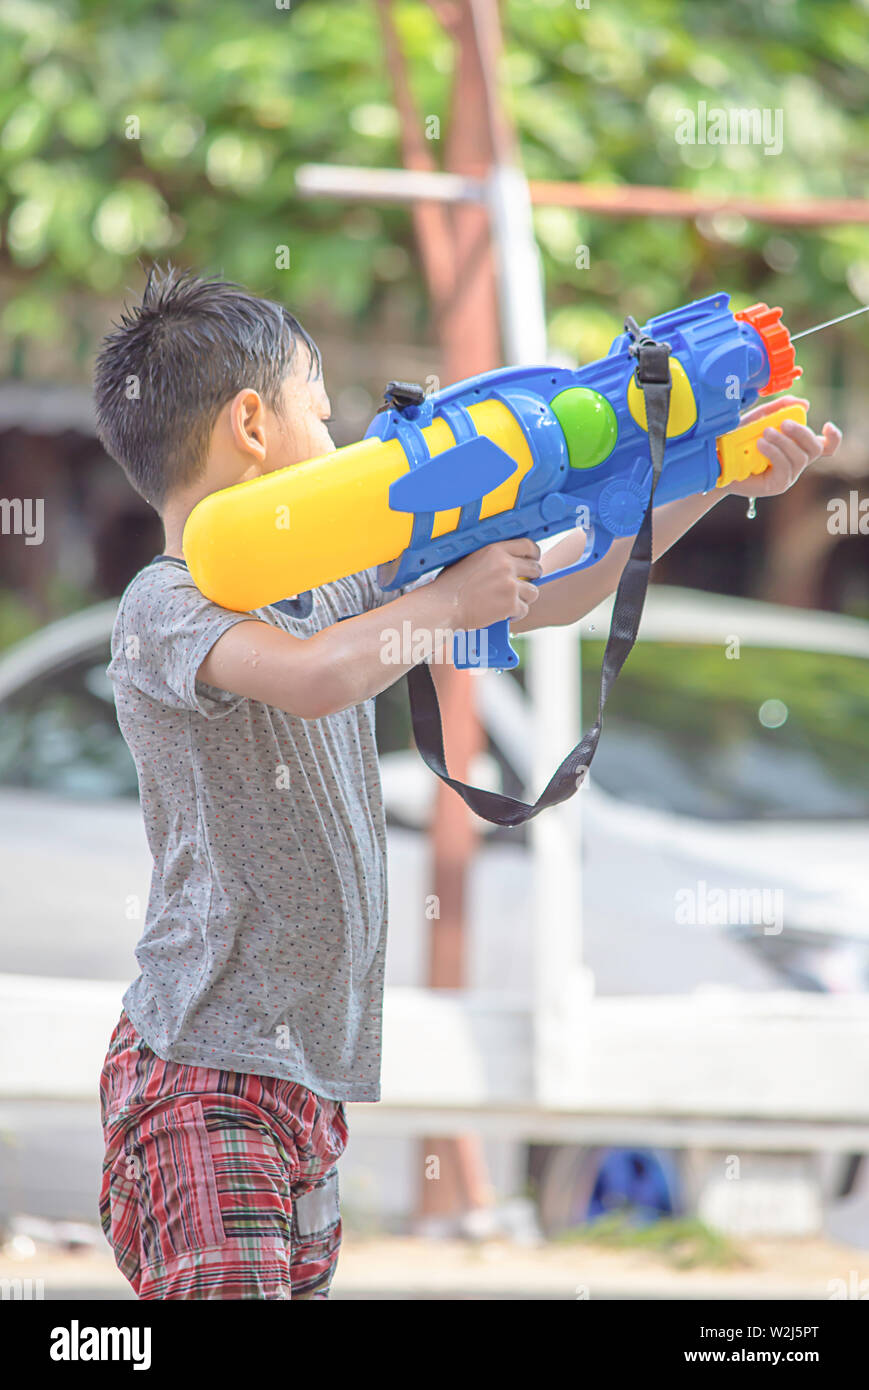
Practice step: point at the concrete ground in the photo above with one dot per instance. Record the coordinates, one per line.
(401, 1268)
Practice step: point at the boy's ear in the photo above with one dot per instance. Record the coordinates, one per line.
(248, 424)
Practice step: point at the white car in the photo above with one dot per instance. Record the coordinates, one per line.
(725, 822)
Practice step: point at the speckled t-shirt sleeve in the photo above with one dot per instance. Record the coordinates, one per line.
(164, 632)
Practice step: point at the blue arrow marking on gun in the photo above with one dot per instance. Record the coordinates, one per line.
(452, 479)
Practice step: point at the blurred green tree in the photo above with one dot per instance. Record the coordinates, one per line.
(155, 130)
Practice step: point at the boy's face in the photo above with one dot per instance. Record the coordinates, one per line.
(300, 431)
(250, 439)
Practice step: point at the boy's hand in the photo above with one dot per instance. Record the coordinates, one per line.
(492, 583)
(789, 449)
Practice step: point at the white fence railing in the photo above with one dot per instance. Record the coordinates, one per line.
(787, 1068)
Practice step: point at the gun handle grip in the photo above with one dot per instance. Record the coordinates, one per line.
(487, 647)
(737, 452)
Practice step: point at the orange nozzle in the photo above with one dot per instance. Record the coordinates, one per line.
(776, 339)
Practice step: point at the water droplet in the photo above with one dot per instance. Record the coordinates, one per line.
(772, 714)
(751, 513)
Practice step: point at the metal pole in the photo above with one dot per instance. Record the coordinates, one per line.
(553, 680)
(626, 200)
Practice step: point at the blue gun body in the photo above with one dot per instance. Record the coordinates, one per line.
(725, 364)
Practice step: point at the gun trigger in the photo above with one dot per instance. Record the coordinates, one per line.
(452, 478)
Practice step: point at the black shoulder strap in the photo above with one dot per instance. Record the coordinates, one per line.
(653, 377)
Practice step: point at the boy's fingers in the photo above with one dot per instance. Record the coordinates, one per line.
(796, 455)
(787, 400)
(525, 557)
(529, 593)
(524, 547)
(810, 443)
(832, 436)
(758, 411)
(528, 569)
(779, 460)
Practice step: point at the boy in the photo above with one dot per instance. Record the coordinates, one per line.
(257, 1011)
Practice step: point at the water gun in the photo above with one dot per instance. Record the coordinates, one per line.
(523, 451)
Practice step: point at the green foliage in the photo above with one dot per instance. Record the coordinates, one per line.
(175, 129)
(20, 617)
(684, 1242)
(602, 107)
(17, 620)
(722, 729)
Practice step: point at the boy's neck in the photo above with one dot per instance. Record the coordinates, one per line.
(172, 539)
(174, 516)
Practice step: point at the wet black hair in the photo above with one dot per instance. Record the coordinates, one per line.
(166, 370)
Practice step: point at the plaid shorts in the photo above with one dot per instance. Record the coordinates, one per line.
(217, 1184)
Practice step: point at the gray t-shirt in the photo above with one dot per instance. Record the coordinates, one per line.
(264, 940)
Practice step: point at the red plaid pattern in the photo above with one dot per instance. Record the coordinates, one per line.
(217, 1184)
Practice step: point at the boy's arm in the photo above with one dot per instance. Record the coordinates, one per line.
(789, 451)
(352, 660)
(567, 600)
